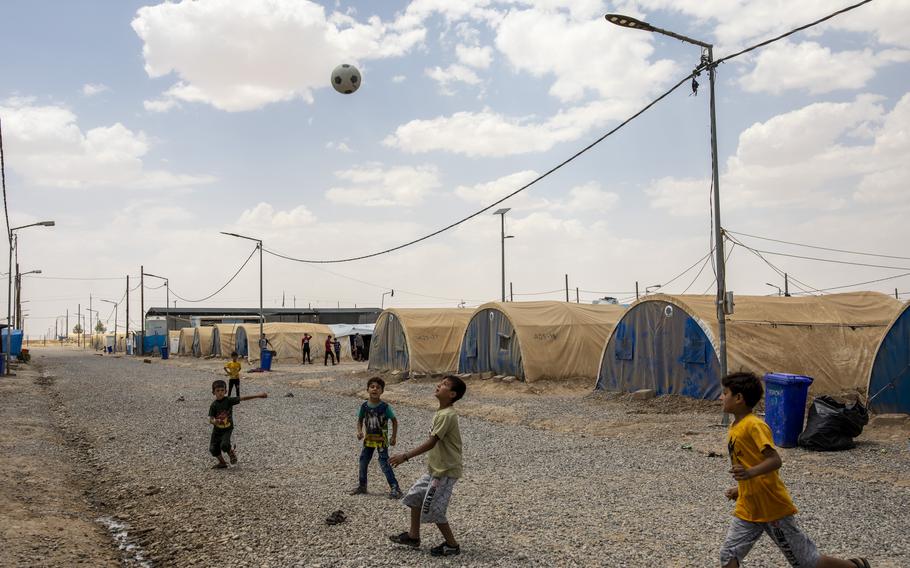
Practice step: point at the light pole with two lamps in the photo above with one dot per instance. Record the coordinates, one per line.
(502, 241)
(13, 244)
(707, 62)
(263, 342)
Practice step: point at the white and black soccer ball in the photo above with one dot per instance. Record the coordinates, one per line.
(346, 79)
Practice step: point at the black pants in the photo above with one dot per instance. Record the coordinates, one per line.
(306, 354)
(221, 441)
(325, 360)
(233, 383)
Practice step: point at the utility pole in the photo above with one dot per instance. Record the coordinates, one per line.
(79, 324)
(127, 334)
(67, 323)
(511, 295)
(576, 295)
(90, 330)
(567, 287)
(636, 290)
(896, 296)
(142, 309)
(786, 285)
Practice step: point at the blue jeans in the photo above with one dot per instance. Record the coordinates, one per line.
(366, 456)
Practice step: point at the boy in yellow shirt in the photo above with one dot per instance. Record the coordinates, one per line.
(232, 368)
(763, 504)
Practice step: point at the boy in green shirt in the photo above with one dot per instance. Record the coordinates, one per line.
(221, 417)
(429, 497)
(763, 504)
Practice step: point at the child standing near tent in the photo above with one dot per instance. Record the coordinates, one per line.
(329, 351)
(305, 346)
(337, 346)
(763, 504)
(429, 497)
(373, 428)
(221, 417)
(232, 368)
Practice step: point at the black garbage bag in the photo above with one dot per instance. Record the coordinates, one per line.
(832, 425)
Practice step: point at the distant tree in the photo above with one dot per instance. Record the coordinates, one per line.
(99, 328)
(77, 329)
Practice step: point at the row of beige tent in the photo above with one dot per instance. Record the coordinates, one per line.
(284, 338)
(661, 342)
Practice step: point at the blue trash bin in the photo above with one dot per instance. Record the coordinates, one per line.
(785, 406)
(164, 352)
(265, 360)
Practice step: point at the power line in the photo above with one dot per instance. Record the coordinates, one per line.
(75, 278)
(819, 247)
(223, 287)
(831, 260)
(799, 283)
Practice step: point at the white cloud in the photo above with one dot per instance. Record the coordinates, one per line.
(264, 217)
(371, 185)
(92, 89)
(399, 79)
(340, 146)
(474, 56)
(786, 66)
(488, 192)
(160, 105)
(488, 133)
(52, 150)
(817, 157)
(589, 198)
(240, 56)
(454, 73)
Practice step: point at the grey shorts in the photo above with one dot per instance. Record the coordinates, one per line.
(797, 548)
(432, 495)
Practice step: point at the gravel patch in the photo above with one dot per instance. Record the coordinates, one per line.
(559, 479)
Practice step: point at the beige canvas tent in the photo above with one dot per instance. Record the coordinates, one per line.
(202, 341)
(538, 340)
(424, 340)
(185, 343)
(223, 337)
(285, 340)
(669, 343)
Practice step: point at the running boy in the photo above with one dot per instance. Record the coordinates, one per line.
(375, 415)
(232, 368)
(221, 417)
(329, 347)
(429, 497)
(763, 504)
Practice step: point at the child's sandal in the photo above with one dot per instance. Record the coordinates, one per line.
(860, 562)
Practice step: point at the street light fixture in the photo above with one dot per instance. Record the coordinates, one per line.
(502, 216)
(707, 62)
(262, 344)
(9, 286)
(116, 306)
(780, 292)
(384, 294)
(167, 312)
(649, 288)
(19, 295)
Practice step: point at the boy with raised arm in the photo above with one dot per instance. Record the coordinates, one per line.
(221, 417)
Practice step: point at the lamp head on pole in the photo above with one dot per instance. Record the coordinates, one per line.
(502, 211)
(628, 22)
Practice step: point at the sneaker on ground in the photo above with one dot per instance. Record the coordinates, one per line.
(405, 538)
(395, 493)
(445, 550)
(359, 490)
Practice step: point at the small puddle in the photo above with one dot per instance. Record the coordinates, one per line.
(132, 554)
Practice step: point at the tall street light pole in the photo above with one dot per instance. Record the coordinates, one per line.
(707, 62)
(19, 295)
(9, 287)
(116, 305)
(262, 344)
(502, 241)
(167, 309)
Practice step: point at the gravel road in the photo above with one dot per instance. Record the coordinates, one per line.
(561, 480)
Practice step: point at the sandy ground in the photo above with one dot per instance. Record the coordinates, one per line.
(555, 476)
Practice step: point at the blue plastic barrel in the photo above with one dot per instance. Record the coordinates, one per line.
(785, 406)
(265, 360)
(164, 352)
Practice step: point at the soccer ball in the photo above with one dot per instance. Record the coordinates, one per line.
(346, 79)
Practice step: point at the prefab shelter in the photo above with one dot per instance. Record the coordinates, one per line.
(202, 340)
(669, 343)
(185, 340)
(173, 343)
(889, 378)
(537, 340)
(285, 339)
(425, 340)
(223, 337)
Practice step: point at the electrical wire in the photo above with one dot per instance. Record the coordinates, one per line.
(225, 284)
(831, 260)
(819, 247)
(700, 270)
(799, 283)
(9, 232)
(540, 293)
(75, 278)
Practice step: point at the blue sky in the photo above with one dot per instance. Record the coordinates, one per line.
(144, 129)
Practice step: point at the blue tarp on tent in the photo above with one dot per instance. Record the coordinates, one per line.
(889, 381)
(16, 342)
(659, 346)
(490, 345)
(153, 341)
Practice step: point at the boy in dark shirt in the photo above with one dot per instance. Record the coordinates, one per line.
(221, 417)
(374, 416)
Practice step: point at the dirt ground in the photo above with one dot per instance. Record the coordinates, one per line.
(49, 517)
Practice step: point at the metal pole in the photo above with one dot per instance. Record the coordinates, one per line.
(896, 297)
(167, 314)
(786, 285)
(567, 287)
(79, 325)
(261, 316)
(576, 295)
(718, 230)
(142, 310)
(502, 242)
(90, 330)
(126, 336)
(511, 295)
(636, 290)
(115, 327)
